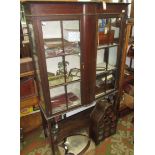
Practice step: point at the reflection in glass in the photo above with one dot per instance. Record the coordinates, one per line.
(109, 30)
(105, 83)
(106, 64)
(55, 70)
(58, 99)
(71, 36)
(52, 38)
(103, 64)
(74, 66)
(73, 94)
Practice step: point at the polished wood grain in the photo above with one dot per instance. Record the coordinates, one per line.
(88, 47)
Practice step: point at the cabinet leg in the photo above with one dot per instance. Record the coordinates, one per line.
(51, 139)
(44, 124)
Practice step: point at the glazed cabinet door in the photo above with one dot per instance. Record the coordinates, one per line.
(62, 51)
(108, 54)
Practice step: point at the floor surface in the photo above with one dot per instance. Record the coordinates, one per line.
(120, 143)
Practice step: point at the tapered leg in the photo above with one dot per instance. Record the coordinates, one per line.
(51, 139)
(44, 123)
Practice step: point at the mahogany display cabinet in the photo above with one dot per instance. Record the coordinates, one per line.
(76, 48)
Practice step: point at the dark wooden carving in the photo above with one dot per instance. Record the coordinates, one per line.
(103, 121)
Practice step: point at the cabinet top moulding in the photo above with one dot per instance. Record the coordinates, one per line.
(77, 1)
(71, 7)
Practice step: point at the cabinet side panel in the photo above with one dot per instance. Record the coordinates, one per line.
(40, 66)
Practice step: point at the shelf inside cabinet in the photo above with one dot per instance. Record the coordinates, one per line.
(71, 76)
(112, 91)
(106, 72)
(58, 47)
(63, 54)
(102, 91)
(101, 69)
(107, 46)
(65, 84)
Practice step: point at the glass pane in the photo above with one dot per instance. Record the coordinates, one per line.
(52, 38)
(51, 29)
(73, 69)
(115, 26)
(71, 32)
(100, 64)
(35, 57)
(108, 31)
(71, 36)
(112, 61)
(110, 82)
(73, 94)
(55, 70)
(105, 83)
(58, 99)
